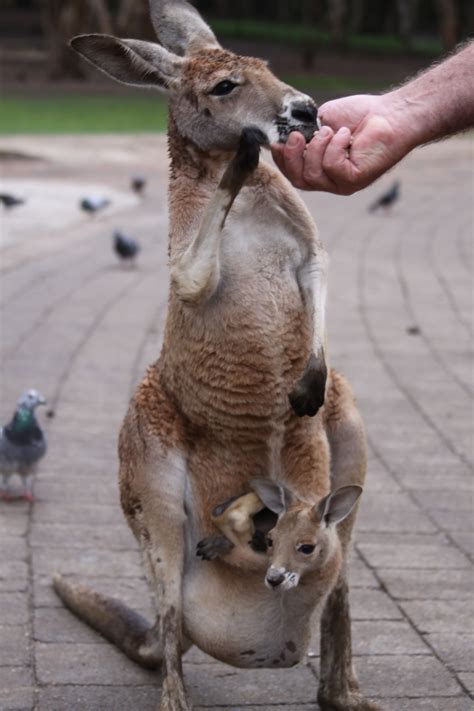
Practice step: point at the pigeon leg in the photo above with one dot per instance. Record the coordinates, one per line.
(28, 488)
(5, 491)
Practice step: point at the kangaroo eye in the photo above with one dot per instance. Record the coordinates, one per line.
(269, 542)
(306, 548)
(223, 88)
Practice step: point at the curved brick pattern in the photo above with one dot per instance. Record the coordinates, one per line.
(82, 329)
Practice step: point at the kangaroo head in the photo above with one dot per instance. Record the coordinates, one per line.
(214, 93)
(304, 538)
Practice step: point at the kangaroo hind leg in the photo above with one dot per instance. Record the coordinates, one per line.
(339, 688)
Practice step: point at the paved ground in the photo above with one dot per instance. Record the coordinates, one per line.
(82, 329)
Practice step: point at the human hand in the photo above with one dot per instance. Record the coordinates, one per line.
(362, 137)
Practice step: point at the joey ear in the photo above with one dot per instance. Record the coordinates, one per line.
(335, 507)
(275, 497)
(130, 61)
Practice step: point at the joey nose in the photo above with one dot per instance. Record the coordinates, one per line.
(306, 113)
(275, 579)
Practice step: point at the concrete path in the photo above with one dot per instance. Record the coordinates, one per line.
(82, 329)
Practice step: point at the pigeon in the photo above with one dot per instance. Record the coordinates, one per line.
(8, 201)
(138, 184)
(93, 204)
(22, 444)
(126, 247)
(387, 199)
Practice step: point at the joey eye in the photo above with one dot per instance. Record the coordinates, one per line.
(223, 88)
(306, 548)
(269, 542)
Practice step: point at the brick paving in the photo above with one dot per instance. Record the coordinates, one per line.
(82, 329)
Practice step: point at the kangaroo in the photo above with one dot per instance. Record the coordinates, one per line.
(241, 388)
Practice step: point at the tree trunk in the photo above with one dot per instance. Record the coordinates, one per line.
(337, 11)
(448, 23)
(407, 10)
(357, 15)
(61, 21)
(133, 19)
(102, 14)
(283, 11)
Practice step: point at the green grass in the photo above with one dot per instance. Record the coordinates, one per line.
(291, 34)
(76, 114)
(132, 114)
(332, 84)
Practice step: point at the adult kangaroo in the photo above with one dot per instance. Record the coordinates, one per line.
(241, 388)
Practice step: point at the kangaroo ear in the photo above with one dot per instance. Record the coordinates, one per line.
(275, 497)
(130, 61)
(337, 506)
(179, 26)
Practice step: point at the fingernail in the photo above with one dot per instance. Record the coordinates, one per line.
(292, 140)
(324, 131)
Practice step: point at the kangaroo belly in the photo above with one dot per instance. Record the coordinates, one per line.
(232, 366)
(233, 617)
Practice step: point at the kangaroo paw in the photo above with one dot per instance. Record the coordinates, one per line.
(308, 394)
(213, 547)
(245, 160)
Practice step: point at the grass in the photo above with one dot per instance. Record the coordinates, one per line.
(83, 114)
(293, 34)
(133, 113)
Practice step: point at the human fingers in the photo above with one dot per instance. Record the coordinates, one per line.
(313, 171)
(293, 156)
(337, 164)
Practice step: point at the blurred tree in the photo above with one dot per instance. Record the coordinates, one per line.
(337, 12)
(357, 15)
(62, 19)
(133, 19)
(447, 13)
(407, 10)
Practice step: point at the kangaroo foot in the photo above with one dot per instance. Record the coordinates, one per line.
(308, 394)
(173, 696)
(213, 547)
(353, 701)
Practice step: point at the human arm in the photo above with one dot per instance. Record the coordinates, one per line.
(364, 136)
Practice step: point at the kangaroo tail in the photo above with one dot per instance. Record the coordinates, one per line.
(121, 625)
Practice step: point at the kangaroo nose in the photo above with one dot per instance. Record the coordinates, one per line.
(275, 579)
(306, 113)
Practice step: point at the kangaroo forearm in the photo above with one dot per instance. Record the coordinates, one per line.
(439, 102)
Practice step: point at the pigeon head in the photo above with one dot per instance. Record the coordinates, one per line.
(31, 399)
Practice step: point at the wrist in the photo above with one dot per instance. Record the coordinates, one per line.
(405, 115)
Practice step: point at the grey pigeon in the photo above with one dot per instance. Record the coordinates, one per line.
(22, 444)
(138, 184)
(387, 199)
(93, 204)
(125, 247)
(8, 201)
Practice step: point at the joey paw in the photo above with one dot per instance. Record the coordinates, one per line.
(213, 547)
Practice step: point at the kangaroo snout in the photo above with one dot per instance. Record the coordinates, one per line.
(304, 112)
(300, 114)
